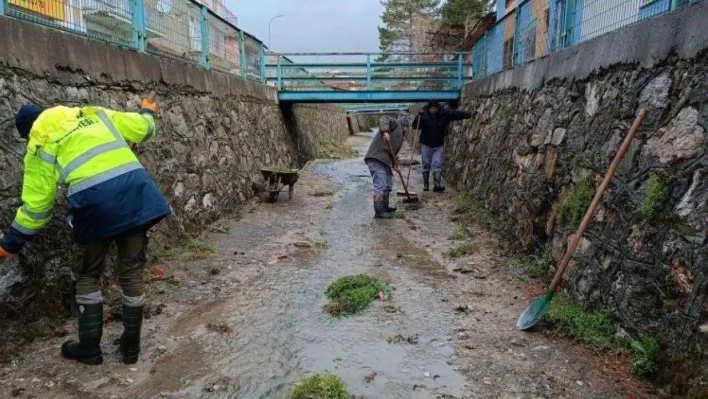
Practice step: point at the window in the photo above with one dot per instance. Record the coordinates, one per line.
(508, 53)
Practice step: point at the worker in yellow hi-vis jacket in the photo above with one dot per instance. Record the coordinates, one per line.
(111, 198)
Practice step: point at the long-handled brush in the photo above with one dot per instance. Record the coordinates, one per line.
(540, 306)
(410, 198)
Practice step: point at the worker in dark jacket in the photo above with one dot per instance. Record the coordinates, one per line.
(432, 120)
(380, 161)
(110, 198)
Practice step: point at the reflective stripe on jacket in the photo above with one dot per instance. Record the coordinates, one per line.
(79, 147)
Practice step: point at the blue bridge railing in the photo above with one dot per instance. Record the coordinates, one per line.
(372, 77)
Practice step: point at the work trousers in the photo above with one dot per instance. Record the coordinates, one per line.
(382, 176)
(132, 260)
(432, 158)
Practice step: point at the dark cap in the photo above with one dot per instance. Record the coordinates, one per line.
(25, 117)
(434, 104)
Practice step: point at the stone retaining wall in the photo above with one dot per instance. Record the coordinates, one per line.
(539, 148)
(215, 132)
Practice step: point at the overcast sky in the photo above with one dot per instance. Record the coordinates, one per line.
(312, 25)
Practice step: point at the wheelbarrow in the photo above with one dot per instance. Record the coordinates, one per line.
(276, 180)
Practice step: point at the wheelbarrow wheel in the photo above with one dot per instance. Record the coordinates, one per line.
(273, 196)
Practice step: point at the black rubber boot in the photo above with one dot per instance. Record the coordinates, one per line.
(87, 349)
(426, 181)
(387, 204)
(380, 208)
(130, 340)
(437, 180)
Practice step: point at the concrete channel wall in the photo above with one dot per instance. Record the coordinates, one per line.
(544, 138)
(215, 133)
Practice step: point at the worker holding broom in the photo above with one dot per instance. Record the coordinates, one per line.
(381, 159)
(432, 121)
(110, 198)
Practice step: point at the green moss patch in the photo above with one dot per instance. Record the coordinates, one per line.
(576, 201)
(598, 331)
(595, 329)
(656, 194)
(320, 386)
(352, 294)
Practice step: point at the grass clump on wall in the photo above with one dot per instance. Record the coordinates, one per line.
(577, 200)
(656, 195)
(320, 386)
(352, 294)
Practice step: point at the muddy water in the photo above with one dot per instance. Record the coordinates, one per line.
(281, 333)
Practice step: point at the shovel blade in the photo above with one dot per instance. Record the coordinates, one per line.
(535, 311)
(403, 194)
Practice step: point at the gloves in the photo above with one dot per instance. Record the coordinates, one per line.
(149, 105)
(4, 254)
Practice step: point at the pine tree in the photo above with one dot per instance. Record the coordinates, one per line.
(399, 21)
(457, 13)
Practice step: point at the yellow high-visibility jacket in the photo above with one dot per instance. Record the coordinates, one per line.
(80, 148)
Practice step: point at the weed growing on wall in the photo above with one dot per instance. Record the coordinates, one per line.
(352, 294)
(656, 195)
(577, 200)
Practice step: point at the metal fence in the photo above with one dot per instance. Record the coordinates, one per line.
(368, 71)
(201, 32)
(531, 29)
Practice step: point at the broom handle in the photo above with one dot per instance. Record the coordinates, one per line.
(595, 202)
(395, 162)
(415, 142)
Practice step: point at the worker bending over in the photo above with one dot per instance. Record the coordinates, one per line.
(110, 197)
(432, 120)
(381, 160)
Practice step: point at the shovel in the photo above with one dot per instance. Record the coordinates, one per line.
(410, 198)
(540, 306)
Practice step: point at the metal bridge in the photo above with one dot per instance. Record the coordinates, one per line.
(368, 77)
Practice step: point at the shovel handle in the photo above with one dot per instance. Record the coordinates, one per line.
(415, 142)
(596, 201)
(151, 96)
